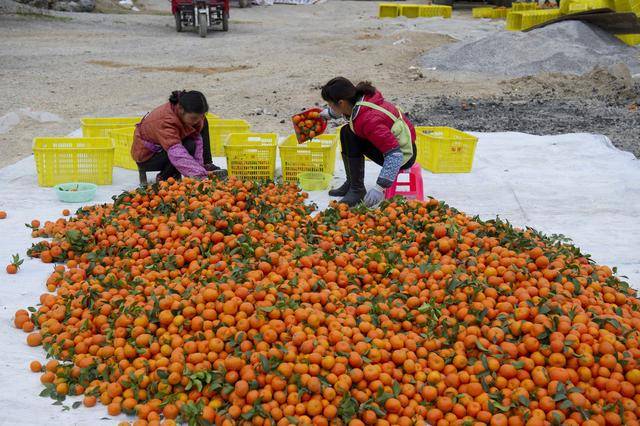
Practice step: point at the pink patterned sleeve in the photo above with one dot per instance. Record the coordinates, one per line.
(198, 155)
(184, 162)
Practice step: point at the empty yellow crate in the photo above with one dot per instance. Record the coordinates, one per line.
(251, 156)
(630, 39)
(219, 129)
(429, 11)
(445, 150)
(634, 6)
(122, 140)
(61, 160)
(96, 127)
(482, 12)
(520, 6)
(316, 155)
(388, 10)
(410, 10)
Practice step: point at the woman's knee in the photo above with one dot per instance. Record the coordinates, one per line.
(348, 142)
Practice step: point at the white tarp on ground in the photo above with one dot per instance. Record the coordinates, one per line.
(578, 185)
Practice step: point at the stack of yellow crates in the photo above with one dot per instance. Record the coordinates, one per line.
(519, 21)
(491, 12)
(522, 6)
(621, 6)
(633, 6)
(500, 13)
(574, 6)
(433, 10)
(388, 10)
(482, 12)
(393, 10)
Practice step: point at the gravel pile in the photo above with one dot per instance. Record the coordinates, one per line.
(570, 47)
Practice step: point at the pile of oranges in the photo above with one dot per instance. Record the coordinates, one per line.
(229, 303)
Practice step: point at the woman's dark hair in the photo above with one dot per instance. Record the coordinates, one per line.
(340, 88)
(191, 101)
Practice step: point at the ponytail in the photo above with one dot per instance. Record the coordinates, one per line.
(175, 96)
(191, 101)
(365, 88)
(341, 89)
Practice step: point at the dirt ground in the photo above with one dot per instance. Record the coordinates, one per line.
(270, 65)
(596, 103)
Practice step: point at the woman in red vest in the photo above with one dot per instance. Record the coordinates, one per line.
(377, 130)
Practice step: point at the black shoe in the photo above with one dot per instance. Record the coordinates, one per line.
(356, 191)
(342, 190)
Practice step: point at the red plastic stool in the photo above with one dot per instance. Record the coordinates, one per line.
(413, 188)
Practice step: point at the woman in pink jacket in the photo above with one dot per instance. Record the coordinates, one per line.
(373, 131)
(174, 138)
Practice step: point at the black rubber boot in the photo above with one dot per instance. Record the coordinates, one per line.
(356, 191)
(342, 190)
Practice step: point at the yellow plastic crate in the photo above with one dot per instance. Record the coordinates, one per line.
(630, 39)
(336, 139)
(430, 11)
(634, 6)
(578, 7)
(122, 140)
(500, 13)
(521, 6)
(518, 21)
(622, 6)
(482, 12)
(61, 160)
(388, 10)
(531, 18)
(514, 21)
(97, 127)
(316, 155)
(251, 156)
(584, 5)
(445, 150)
(220, 128)
(410, 10)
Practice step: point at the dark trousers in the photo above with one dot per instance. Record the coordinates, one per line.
(160, 160)
(355, 146)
